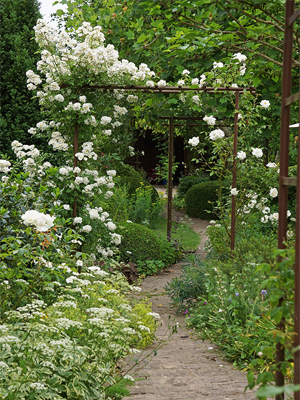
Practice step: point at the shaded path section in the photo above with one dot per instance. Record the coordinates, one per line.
(184, 368)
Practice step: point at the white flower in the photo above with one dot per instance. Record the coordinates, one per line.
(210, 120)
(216, 134)
(271, 165)
(161, 83)
(196, 100)
(82, 99)
(265, 103)
(257, 152)
(153, 314)
(77, 220)
(194, 141)
(273, 192)
(234, 191)
(181, 82)
(66, 206)
(79, 263)
(59, 98)
(42, 222)
(241, 155)
(105, 120)
(240, 57)
(111, 172)
(218, 65)
(274, 217)
(107, 132)
(185, 72)
(86, 228)
(150, 84)
(111, 226)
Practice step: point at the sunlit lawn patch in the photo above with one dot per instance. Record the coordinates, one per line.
(181, 232)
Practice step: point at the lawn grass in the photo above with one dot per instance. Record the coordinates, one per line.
(181, 232)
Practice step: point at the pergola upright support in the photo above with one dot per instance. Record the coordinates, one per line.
(286, 100)
(234, 169)
(170, 177)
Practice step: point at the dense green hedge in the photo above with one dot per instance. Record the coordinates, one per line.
(200, 199)
(138, 243)
(133, 180)
(187, 182)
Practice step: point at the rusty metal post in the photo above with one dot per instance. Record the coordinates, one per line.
(284, 164)
(170, 177)
(76, 134)
(297, 272)
(234, 154)
(297, 279)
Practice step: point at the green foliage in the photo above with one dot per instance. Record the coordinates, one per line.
(182, 235)
(72, 347)
(187, 182)
(143, 247)
(186, 289)
(150, 267)
(17, 55)
(138, 243)
(201, 199)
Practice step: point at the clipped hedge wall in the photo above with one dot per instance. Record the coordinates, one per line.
(199, 199)
(138, 243)
(187, 182)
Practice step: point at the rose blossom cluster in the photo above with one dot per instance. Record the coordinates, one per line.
(42, 222)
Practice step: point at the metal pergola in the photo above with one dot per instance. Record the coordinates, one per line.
(287, 99)
(176, 89)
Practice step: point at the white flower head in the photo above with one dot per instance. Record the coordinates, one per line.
(241, 155)
(273, 192)
(210, 120)
(234, 191)
(265, 103)
(194, 141)
(216, 134)
(257, 152)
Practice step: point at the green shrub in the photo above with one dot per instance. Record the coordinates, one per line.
(187, 182)
(169, 253)
(127, 170)
(190, 285)
(133, 183)
(150, 267)
(200, 200)
(138, 243)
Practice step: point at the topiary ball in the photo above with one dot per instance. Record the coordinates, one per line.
(138, 243)
(200, 200)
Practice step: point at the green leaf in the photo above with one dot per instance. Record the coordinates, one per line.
(130, 35)
(142, 38)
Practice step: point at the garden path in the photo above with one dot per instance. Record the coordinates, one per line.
(184, 368)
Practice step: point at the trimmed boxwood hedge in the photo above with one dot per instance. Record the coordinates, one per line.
(186, 182)
(138, 243)
(200, 198)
